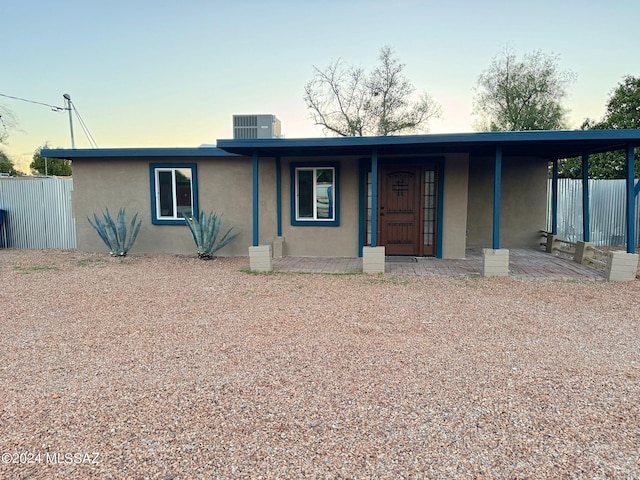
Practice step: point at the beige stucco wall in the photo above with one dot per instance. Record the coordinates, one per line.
(522, 207)
(224, 186)
(312, 241)
(454, 221)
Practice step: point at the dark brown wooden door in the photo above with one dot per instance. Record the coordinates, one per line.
(399, 209)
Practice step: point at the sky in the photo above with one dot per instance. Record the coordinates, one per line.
(159, 73)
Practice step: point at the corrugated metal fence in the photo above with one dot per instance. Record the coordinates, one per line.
(607, 215)
(38, 213)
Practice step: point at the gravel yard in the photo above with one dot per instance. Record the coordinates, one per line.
(168, 367)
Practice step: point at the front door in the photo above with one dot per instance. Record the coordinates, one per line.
(399, 209)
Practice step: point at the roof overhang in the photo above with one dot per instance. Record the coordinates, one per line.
(88, 153)
(544, 144)
(540, 144)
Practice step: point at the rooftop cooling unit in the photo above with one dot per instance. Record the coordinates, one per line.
(256, 126)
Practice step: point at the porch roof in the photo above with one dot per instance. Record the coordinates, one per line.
(541, 143)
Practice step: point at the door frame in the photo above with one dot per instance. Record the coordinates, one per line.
(365, 168)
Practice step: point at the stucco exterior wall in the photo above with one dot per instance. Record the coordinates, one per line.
(319, 241)
(454, 222)
(522, 207)
(224, 186)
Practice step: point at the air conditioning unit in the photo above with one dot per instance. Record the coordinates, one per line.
(256, 126)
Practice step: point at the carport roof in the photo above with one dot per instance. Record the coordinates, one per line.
(545, 144)
(541, 143)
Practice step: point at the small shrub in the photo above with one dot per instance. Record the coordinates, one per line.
(114, 234)
(205, 231)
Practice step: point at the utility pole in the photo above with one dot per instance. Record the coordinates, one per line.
(67, 101)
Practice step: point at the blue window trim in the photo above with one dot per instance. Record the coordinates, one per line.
(315, 223)
(152, 188)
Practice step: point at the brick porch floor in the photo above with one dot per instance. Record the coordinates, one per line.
(523, 263)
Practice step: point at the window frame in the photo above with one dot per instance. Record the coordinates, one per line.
(155, 191)
(315, 222)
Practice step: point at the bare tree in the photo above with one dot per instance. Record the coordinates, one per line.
(522, 94)
(8, 121)
(349, 102)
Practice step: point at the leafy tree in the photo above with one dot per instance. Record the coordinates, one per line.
(349, 102)
(623, 111)
(7, 165)
(522, 94)
(49, 166)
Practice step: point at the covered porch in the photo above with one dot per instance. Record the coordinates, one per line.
(526, 264)
(453, 227)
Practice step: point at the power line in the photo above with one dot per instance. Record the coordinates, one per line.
(84, 126)
(55, 108)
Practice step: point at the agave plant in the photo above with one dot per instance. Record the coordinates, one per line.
(205, 231)
(114, 234)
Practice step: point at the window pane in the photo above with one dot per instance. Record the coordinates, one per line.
(183, 192)
(305, 193)
(165, 181)
(324, 193)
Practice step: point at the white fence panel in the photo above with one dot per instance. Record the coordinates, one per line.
(38, 213)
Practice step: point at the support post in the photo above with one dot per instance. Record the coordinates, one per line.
(374, 198)
(554, 198)
(586, 228)
(631, 204)
(497, 181)
(256, 202)
(278, 197)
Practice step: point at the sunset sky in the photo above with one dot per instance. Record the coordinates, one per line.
(156, 73)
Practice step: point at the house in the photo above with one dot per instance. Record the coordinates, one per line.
(419, 195)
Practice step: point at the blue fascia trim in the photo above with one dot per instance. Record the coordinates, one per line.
(71, 154)
(447, 138)
(497, 185)
(292, 188)
(374, 198)
(440, 178)
(586, 224)
(256, 200)
(362, 209)
(631, 200)
(278, 197)
(152, 189)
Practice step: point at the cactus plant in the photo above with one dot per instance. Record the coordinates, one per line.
(114, 234)
(205, 231)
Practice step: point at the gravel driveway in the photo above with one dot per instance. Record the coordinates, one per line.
(167, 367)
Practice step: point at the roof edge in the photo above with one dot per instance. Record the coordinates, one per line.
(77, 153)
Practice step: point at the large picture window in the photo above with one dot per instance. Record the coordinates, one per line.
(315, 195)
(173, 194)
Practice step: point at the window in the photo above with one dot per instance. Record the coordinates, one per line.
(173, 192)
(314, 195)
